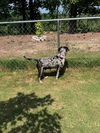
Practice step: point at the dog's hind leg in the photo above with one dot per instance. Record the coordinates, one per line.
(58, 71)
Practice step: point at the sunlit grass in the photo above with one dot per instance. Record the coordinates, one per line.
(75, 98)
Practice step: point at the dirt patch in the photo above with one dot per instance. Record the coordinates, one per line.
(18, 46)
(84, 42)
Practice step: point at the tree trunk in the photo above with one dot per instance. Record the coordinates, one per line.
(34, 13)
(31, 14)
(73, 14)
(23, 7)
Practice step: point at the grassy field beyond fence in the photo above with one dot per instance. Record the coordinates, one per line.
(68, 105)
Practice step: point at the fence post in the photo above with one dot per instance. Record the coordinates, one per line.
(58, 34)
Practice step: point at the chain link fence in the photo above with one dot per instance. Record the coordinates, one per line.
(19, 38)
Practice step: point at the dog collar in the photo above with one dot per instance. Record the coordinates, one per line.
(61, 57)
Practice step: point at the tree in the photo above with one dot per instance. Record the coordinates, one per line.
(73, 8)
(78, 7)
(4, 10)
(19, 9)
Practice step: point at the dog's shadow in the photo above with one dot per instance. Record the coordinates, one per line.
(53, 72)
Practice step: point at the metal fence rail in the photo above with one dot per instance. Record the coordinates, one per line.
(50, 20)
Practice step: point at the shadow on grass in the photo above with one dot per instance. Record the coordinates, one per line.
(28, 114)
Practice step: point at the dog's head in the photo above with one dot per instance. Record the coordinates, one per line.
(63, 49)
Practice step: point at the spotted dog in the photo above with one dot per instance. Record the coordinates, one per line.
(57, 62)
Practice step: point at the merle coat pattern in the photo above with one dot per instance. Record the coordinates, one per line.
(57, 61)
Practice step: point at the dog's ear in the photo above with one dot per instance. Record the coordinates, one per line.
(59, 49)
(67, 49)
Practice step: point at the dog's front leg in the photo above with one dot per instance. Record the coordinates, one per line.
(58, 71)
(41, 75)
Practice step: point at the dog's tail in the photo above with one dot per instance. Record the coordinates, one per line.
(30, 59)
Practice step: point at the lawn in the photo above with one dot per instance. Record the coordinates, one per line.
(68, 105)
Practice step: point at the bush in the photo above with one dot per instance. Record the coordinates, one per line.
(88, 26)
(39, 28)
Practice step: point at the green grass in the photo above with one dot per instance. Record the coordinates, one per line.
(75, 60)
(68, 105)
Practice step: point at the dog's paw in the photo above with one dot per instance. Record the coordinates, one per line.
(46, 77)
(24, 57)
(40, 81)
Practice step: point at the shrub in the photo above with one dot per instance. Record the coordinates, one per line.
(39, 28)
